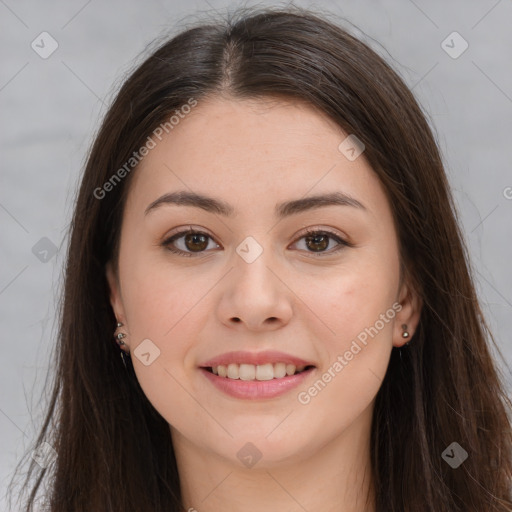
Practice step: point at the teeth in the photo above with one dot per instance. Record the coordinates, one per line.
(267, 371)
(247, 371)
(279, 370)
(233, 372)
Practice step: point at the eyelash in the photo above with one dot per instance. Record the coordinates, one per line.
(310, 232)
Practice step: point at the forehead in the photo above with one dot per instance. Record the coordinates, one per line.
(253, 151)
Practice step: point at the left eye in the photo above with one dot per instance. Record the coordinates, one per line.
(197, 242)
(320, 240)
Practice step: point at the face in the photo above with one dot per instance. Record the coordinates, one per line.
(312, 283)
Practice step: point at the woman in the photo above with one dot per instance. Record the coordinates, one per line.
(265, 234)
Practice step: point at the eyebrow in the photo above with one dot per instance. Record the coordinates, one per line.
(212, 205)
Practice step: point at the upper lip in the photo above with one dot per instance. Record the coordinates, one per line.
(255, 358)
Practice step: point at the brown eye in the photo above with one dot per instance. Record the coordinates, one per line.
(193, 242)
(196, 242)
(318, 241)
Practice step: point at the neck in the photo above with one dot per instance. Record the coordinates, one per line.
(334, 478)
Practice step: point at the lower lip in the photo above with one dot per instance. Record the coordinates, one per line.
(256, 389)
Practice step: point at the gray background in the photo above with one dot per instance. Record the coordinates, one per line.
(52, 107)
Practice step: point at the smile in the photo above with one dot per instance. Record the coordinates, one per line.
(249, 372)
(252, 387)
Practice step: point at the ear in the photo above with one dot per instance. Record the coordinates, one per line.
(115, 294)
(408, 315)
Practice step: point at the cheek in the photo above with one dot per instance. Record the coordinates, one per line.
(158, 296)
(162, 306)
(358, 308)
(355, 297)
(362, 323)
(357, 355)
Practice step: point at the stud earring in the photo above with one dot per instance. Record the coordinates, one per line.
(119, 340)
(405, 334)
(119, 337)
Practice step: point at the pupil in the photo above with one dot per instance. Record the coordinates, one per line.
(194, 238)
(315, 238)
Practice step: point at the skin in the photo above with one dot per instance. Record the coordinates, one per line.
(254, 154)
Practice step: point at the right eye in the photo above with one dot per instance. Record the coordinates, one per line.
(194, 242)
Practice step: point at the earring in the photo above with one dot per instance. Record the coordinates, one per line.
(405, 334)
(119, 337)
(119, 340)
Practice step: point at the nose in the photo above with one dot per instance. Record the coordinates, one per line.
(255, 296)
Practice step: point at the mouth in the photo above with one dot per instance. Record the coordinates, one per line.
(260, 372)
(257, 375)
(257, 382)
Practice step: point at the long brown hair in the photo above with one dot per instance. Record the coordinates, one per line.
(114, 450)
